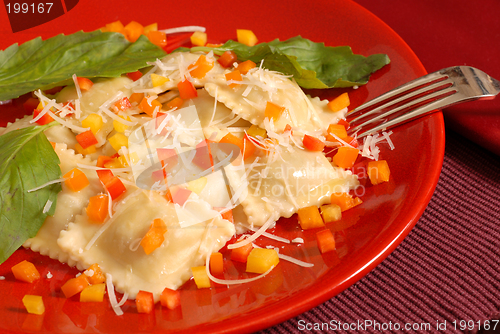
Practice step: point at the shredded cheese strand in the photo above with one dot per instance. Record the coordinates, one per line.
(254, 236)
(46, 184)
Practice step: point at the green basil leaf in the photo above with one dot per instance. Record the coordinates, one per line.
(27, 161)
(313, 65)
(52, 62)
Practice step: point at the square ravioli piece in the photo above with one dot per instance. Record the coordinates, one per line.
(193, 232)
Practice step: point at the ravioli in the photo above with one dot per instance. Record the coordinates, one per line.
(69, 205)
(194, 231)
(280, 185)
(260, 86)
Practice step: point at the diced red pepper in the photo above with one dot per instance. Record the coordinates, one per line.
(31, 104)
(240, 254)
(313, 143)
(45, 119)
(227, 59)
(144, 302)
(115, 187)
(181, 195)
(84, 84)
(326, 241)
(135, 75)
(187, 90)
(86, 139)
(170, 298)
(122, 104)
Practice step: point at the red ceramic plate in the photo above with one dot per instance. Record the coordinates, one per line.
(369, 232)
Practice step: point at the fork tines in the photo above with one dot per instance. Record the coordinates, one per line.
(402, 104)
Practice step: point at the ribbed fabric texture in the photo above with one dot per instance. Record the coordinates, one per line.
(447, 268)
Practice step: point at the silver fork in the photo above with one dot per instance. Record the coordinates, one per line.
(420, 97)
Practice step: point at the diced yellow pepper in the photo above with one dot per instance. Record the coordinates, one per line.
(94, 122)
(158, 80)
(246, 37)
(93, 293)
(34, 304)
(118, 140)
(197, 185)
(340, 102)
(200, 276)
(261, 260)
(84, 151)
(199, 38)
(119, 126)
(331, 213)
(151, 27)
(255, 131)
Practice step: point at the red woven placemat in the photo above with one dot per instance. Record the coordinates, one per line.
(445, 271)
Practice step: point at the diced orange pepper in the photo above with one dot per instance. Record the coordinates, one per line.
(97, 209)
(34, 304)
(136, 98)
(313, 143)
(326, 241)
(339, 103)
(144, 302)
(133, 31)
(95, 274)
(158, 38)
(84, 84)
(273, 111)
(150, 107)
(227, 59)
(247, 148)
(74, 286)
(176, 103)
(187, 90)
(345, 201)
(216, 263)
(338, 130)
(227, 215)
(234, 76)
(309, 218)
(135, 76)
(378, 171)
(246, 66)
(86, 139)
(25, 271)
(201, 67)
(240, 254)
(170, 298)
(45, 119)
(345, 157)
(122, 104)
(116, 26)
(93, 293)
(154, 237)
(200, 276)
(76, 180)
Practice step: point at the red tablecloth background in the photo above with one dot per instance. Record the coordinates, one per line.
(447, 269)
